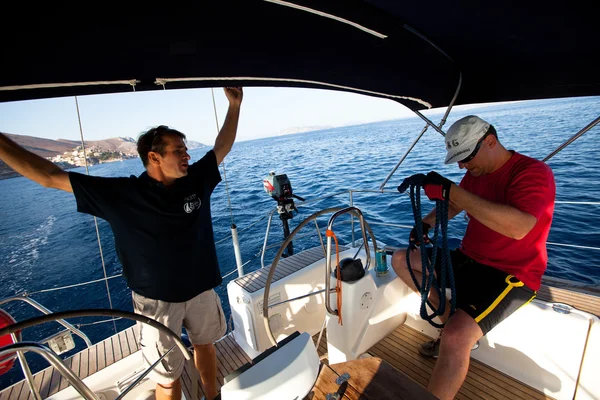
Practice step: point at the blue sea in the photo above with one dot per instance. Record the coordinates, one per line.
(46, 244)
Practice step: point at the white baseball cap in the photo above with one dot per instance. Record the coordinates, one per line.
(462, 137)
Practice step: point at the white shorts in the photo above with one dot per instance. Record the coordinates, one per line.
(202, 318)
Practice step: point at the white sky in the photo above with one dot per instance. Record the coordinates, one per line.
(265, 112)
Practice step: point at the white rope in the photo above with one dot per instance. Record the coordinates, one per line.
(162, 81)
(87, 171)
(235, 270)
(574, 245)
(98, 322)
(243, 229)
(75, 285)
(243, 265)
(589, 203)
(330, 16)
(131, 82)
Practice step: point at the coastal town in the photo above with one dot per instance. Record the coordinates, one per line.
(95, 155)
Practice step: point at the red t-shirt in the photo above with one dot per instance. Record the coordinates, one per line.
(528, 185)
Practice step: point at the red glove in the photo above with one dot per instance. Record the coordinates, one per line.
(436, 186)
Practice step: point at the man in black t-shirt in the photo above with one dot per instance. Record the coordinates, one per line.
(163, 234)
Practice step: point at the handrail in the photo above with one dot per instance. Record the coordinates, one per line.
(573, 138)
(56, 362)
(96, 312)
(274, 268)
(26, 370)
(46, 311)
(359, 215)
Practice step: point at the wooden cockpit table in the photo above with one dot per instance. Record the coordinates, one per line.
(365, 379)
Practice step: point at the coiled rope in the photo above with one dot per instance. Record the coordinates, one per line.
(428, 281)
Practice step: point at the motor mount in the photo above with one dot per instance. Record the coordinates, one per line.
(279, 187)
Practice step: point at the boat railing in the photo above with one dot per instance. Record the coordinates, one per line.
(54, 360)
(19, 347)
(40, 348)
(307, 202)
(354, 212)
(68, 326)
(266, 246)
(351, 193)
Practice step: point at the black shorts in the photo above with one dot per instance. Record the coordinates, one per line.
(487, 294)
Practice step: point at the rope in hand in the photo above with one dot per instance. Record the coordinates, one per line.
(338, 283)
(428, 281)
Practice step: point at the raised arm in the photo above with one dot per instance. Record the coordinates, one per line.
(226, 136)
(32, 166)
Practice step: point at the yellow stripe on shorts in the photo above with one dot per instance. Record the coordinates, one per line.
(505, 292)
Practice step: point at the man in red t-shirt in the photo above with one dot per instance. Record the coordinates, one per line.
(509, 199)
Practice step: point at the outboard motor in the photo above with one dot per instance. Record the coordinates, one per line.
(280, 189)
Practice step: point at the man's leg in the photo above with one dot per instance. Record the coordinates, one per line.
(399, 265)
(154, 344)
(205, 358)
(205, 324)
(171, 391)
(461, 332)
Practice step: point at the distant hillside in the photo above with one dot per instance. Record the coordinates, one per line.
(302, 129)
(191, 145)
(51, 148)
(44, 147)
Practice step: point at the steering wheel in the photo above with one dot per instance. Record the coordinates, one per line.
(75, 381)
(278, 257)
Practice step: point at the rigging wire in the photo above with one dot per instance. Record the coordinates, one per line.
(72, 286)
(260, 219)
(234, 232)
(79, 326)
(222, 162)
(87, 171)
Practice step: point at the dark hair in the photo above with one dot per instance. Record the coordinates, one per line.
(492, 131)
(153, 141)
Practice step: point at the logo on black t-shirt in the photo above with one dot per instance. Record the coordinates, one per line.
(191, 203)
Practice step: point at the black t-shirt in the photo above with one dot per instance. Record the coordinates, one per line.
(163, 237)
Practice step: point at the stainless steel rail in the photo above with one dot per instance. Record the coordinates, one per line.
(26, 370)
(46, 311)
(328, 271)
(22, 361)
(55, 361)
(573, 138)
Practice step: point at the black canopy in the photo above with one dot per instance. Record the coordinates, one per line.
(404, 50)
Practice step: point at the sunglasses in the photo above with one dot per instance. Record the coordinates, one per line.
(157, 133)
(474, 152)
